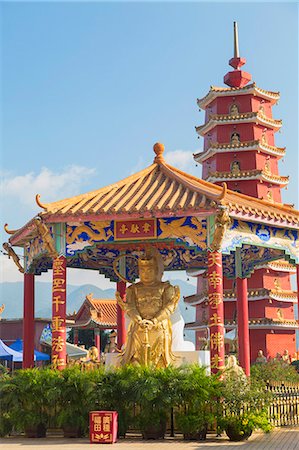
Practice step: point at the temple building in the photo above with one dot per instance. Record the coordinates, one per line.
(239, 149)
(94, 314)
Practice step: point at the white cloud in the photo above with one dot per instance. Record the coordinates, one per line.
(183, 160)
(50, 185)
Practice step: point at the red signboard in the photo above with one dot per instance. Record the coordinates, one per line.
(102, 427)
(135, 229)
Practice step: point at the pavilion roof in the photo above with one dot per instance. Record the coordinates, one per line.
(160, 190)
(101, 312)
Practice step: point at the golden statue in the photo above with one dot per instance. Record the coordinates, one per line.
(234, 110)
(149, 305)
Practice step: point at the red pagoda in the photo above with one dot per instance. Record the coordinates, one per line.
(239, 149)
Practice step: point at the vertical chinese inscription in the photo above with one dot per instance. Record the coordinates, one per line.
(59, 313)
(216, 312)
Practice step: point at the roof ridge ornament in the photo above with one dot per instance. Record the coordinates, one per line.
(39, 203)
(9, 231)
(159, 150)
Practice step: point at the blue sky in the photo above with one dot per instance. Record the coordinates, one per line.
(88, 88)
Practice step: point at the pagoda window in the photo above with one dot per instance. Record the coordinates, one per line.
(233, 110)
(235, 138)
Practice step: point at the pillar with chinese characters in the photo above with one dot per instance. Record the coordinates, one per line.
(28, 322)
(121, 322)
(76, 336)
(216, 316)
(59, 313)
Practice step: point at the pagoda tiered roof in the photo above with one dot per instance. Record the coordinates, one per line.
(160, 190)
(261, 323)
(256, 145)
(215, 92)
(253, 295)
(226, 119)
(248, 175)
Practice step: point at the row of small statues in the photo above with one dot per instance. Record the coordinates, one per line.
(285, 357)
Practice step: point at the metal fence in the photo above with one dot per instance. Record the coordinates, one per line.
(284, 409)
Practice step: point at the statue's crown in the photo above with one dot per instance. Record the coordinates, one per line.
(146, 262)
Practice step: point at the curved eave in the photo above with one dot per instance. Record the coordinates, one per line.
(286, 325)
(257, 118)
(91, 322)
(216, 177)
(256, 146)
(278, 266)
(253, 295)
(215, 92)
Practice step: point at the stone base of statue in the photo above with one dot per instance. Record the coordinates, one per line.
(201, 357)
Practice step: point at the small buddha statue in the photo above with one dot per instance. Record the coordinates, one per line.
(149, 304)
(261, 358)
(235, 167)
(234, 110)
(235, 138)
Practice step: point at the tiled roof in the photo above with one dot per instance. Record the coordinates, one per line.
(102, 312)
(248, 175)
(224, 91)
(224, 119)
(160, 190)
(253, 294)
(256, 145)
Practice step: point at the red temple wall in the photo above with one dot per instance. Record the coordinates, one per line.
(278, 341)
(10, 330)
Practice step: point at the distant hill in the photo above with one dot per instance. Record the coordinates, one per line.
(11, 294)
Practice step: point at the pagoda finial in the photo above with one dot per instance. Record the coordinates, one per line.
(159, 150)
(237, 78)
(236, 41)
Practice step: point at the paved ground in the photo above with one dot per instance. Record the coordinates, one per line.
(279, 439)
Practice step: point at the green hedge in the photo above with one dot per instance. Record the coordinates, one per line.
(141, 395)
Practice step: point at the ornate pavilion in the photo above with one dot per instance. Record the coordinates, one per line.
(94, 314)
(193, 223)
(239, 149)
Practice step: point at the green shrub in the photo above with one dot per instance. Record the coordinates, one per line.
(277, 371)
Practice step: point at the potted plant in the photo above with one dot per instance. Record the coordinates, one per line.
(75, 401)
(243, 408)
(155, 391)
(195, 400)
(30, 394)
(115, 391)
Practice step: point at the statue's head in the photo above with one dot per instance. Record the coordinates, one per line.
(150, 267)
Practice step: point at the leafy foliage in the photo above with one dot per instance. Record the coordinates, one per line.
(277, 371)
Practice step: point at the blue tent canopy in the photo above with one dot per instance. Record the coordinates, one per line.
(10, 354)
(38, 356)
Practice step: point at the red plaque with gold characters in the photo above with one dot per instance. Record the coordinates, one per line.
(102, 427)
(135, 229)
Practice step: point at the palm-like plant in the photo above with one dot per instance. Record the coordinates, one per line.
(75, 401)
(31, 395)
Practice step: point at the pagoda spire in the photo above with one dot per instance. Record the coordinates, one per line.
(236, 41)
(237, 78)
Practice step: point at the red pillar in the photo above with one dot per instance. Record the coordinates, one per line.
(297, 266)
(216, 310)
(121, 328)
(97, 340)
(243, 325)
(59, 313)
(28, 321)
(76, 336)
